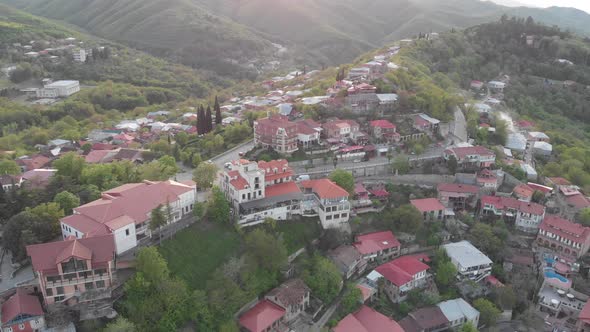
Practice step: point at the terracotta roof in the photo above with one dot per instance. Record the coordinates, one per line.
(46, 256)
(325, 188)
(400, 271)
(584, 314)
(280, 189)
(560, 181)
(35, 162)
(565, 228)
(367, 319)
(578, 201)
(375, 242)
(427, 204)
(503, 203)
(237, 180)
(524, 190)
(384, 124)
(462, 152)
(366, 291)
(494, 281)
(21, 304)
(379, 193)
(291, 292)
(269, 166)
(96, 156)
(261, 316)
(458, 188)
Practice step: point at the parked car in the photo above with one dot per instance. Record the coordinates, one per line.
(302, 177)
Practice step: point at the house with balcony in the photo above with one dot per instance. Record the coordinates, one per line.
(430, 208)
(564, 237)
(471, 157)
(125, 211)
(265, 316)
(470, 262)
(426, 124)
(378, 247)
(384, 131)
(293, 295)
(336, 131)
(327, 200)
(308, 133)
(276, 132)
(75, 270)
(488, 180)
(362, 98)
(527, 216)
(22, 312)
(457, 196)
(348, 260)
(400, 276)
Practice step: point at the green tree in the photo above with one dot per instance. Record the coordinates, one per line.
(199, 210)
(323, 278)
(157, 220)
(351, 301)
(205, 174)
(181, 138)
(452, 164)
(583, 216)
(483, 237)
(468, 327)
(504, 297)
(121, 324)
(406, 218)
(50, 213)
(401, 164)
(344, 179)
(67, 201)
(489, 313)
(71, 165)
(9, 167)
(445, 273)
(152, 265)
(267, 250)
(218, 209)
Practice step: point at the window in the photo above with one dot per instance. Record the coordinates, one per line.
(89, 285)
(100, 284)
(127, 232)
(49, 291)
(60, 290)
(328, 217)
(344, 215)
(59, 298)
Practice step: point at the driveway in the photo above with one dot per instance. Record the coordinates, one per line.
(460, 126)
(24, 274)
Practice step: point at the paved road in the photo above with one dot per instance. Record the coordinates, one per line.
(24, 274)
(460, 127)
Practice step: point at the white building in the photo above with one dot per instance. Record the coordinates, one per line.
(470, 262)
(328, 200)
(459, 312)
(58, 89)
(542, 148)
(79, 55)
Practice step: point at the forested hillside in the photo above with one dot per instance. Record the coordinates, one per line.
(316, 32)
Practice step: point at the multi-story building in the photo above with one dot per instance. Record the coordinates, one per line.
(308, 132)
(22, 312)
(378, 247)
(79, 55)
(457, 196)
(327, 200)
(564, 237)
(471, 263)
(293, 295)
(341, 130)
(125, 211)
(266, 190)
(74, 270)
(471, 156)
(383, 130)
(348, 260)
(401, 275)
(276, 132)
(430, 208)
(425, 123)
(58, 89)
(488, 180)
(527, 216)
(362, 98)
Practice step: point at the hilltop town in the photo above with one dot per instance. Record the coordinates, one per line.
(378, 196)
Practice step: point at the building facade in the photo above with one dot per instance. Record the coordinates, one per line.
(564, 237)
(471, 263)
(276, 132)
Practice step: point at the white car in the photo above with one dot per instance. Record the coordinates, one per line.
(227, 165)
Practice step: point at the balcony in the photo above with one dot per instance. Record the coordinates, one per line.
(77, 281)
(93, 295)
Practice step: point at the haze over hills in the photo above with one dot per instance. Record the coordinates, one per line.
(315, 32)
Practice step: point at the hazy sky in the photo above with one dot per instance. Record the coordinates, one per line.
(580, 4)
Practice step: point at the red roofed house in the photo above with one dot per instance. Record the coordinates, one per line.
(401, 275)
(341, 130)
(570, 201)
(471, 156)
(564, 237)
(366, 319)
(488, 180)
(265, 316)
(74, 270)
(35, 162)
(292, 295)
(22, 312)
(125, 211)
(457, 196)
(431, 208)
(362, 98)
(425, 123)
(583, 323)
(523, 192)
(429, 319)
(308, 132)
(327, 200)
(276, 171)
(378, 247)
(276, 132)
(527, 215)
(383, 130)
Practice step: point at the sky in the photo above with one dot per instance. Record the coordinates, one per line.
(580, 4)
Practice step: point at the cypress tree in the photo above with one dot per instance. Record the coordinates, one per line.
(208, 119)
(217, 109)
(200, 120)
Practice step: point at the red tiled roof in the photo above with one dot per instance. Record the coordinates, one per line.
(494, 281)
(379, 192)
(565, 228)
(541, 188)
(457, 188)
(420, 121)
(560, 181)
(578, 201)
(503, 203)
(400, 271)
(462, 152)
(261, 316)
(280, 189)
(96, 156)
(384, 124)
(375, 242)
(365, 291)
(525, 123)
(367, 319)
(46, 256)
(236, 180)
(427, 204)
(524, 190)
(585, 313)
(21, 304)
(325, 188)
(35, 162)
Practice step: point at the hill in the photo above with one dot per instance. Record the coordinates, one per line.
(317, 32)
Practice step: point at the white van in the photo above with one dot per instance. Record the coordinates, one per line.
(302, 177)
